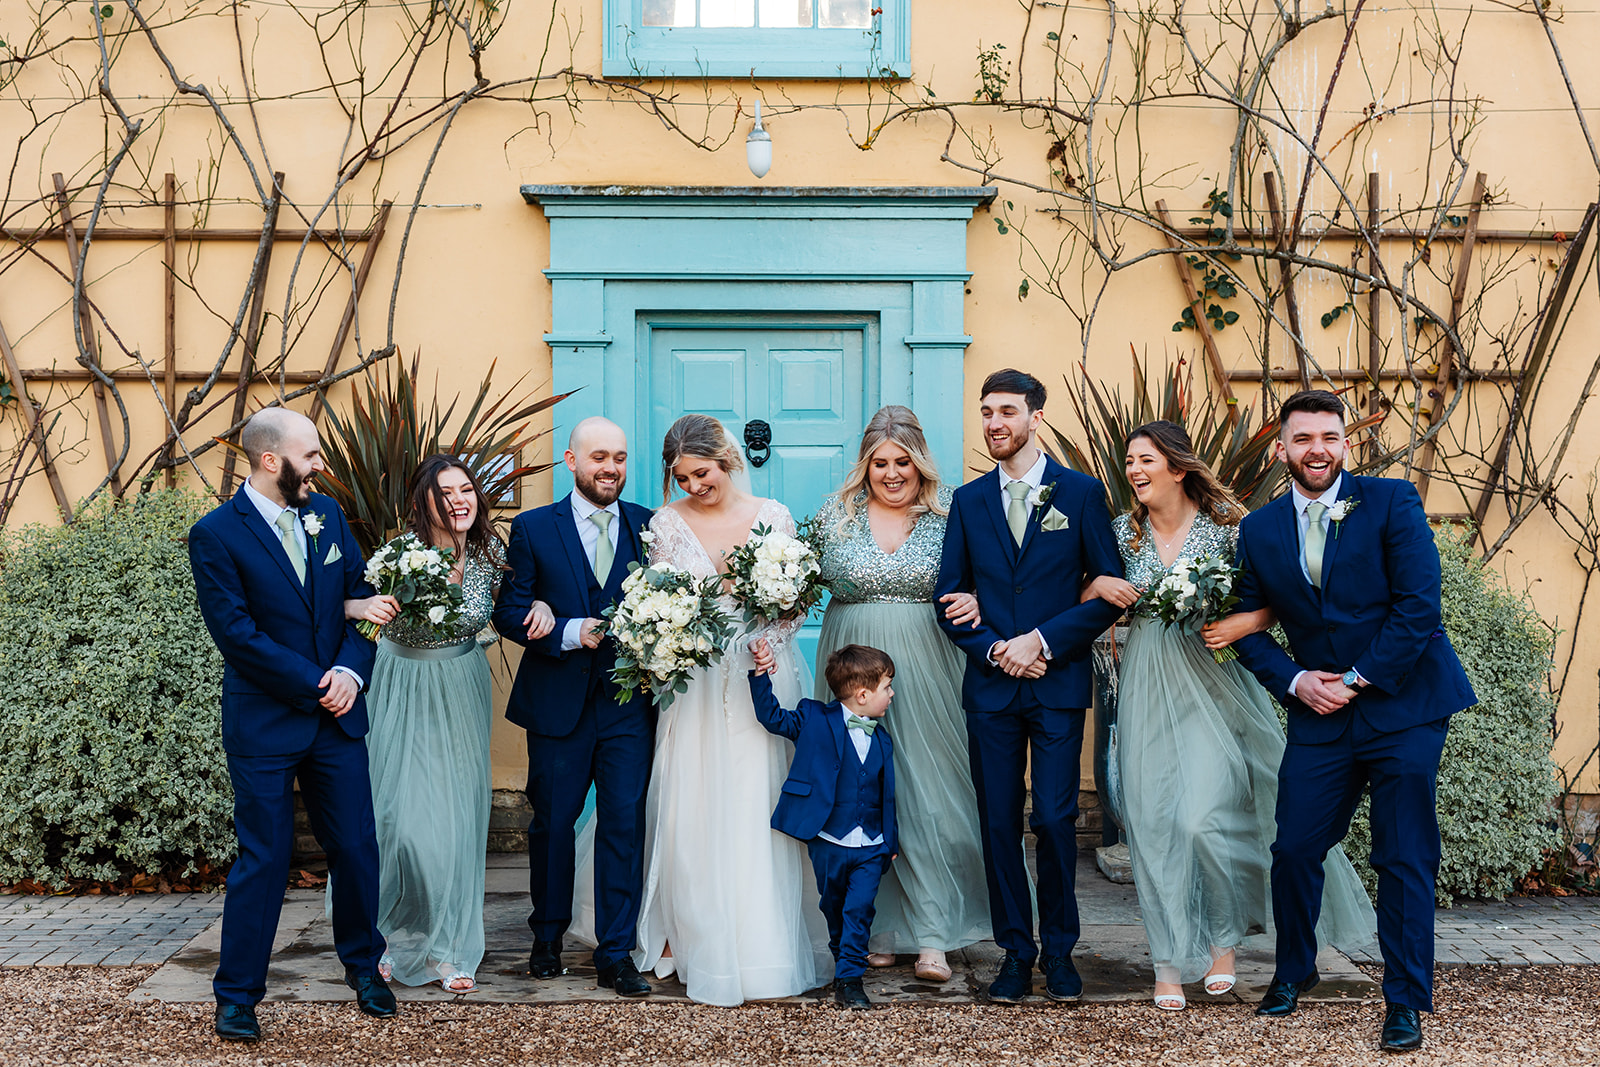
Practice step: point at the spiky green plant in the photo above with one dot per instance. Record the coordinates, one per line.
(1242, 458)
(373, 449)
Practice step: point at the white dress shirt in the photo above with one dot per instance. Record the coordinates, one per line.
(1302, 526)
(862, 741)
(589, 534)
(270, 510)
(1034, 476)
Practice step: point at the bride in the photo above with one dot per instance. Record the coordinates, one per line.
(722, 899)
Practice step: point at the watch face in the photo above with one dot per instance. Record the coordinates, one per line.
(1351, 678)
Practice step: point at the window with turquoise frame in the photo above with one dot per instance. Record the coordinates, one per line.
(841, 39)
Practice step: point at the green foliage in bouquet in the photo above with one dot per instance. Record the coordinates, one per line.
(111, 760)
(1496, 779)
(375, 447)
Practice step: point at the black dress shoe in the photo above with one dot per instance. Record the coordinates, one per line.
(373, 995)
(1284, 997)
(1061, 981)
(237, 1022)
(847, 993)
(1014, 981)
(625, 978)
(545, 959)
(1402, 1029)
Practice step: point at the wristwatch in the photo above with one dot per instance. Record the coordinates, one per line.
(1351, 679)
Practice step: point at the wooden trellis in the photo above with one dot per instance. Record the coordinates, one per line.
(71, 233)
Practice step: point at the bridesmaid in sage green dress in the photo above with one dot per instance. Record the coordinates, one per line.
(428, 747)
(1198, 741)
(882, 535)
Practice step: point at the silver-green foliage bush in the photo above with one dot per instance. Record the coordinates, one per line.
(111, 757)
(1496, 778)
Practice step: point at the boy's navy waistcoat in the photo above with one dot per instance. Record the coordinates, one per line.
(858, 796)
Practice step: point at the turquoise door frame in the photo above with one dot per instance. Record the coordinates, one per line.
(625, 257)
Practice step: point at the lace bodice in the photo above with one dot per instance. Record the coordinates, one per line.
(674, 543)
(1143, 567)
(479, 580)
(859, 571)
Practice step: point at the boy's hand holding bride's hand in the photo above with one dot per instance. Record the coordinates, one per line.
(1113, 590)
(961, 609)
(766, 661)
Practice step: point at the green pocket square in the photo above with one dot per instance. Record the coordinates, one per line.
(1053, 520)
(333, 555)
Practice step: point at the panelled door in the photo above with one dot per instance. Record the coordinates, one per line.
(809, 384)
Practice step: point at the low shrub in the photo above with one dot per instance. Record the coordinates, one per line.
(111, 760)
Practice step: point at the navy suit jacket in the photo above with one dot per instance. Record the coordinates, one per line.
(1034, 586)
(820, 745)
(279, 637)
(548, 563)
(1377, 611)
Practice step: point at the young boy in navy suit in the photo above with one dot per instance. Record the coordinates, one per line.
(839, 798)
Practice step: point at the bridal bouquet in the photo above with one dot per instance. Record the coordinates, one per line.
(418, 576)
(1195, 592)
(774, 575)
(666, 625)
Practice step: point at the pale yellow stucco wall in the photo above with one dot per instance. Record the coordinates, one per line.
(472, 291)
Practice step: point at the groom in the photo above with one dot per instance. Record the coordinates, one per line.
(573, 555)
(1369, 681)
(1026, 538)
(272, 570)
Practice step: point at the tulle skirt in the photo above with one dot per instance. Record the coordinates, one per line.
(1199, 746)
(734, 898)
(936, 894)
(428, 749)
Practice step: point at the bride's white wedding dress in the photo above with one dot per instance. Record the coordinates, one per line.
(734, 898)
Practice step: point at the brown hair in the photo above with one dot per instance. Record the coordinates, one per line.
(1200, 484)
(1019, 382)
(424, 491)
(856, 667)
(895, 425)
(1319, 401)
(700, 437)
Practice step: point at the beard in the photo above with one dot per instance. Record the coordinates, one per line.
(292, 483)
(1313, 484)
(1008, 448)
(603, 495)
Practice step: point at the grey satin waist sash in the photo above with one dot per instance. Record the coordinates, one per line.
(460, 648)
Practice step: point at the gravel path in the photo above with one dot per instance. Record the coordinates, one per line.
(1487, 1015)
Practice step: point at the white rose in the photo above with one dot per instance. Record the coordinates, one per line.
(436, 614)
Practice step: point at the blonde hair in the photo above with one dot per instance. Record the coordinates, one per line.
(698, 437)
(894, 425)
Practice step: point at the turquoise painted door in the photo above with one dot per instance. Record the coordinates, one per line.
(810, 384)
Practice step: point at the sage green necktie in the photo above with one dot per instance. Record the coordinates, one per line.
(603, 552)
(856, 722)
(1316, 538)
(1017, 510)
(291, 545)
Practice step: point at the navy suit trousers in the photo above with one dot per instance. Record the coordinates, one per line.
(612, 748)
(338, 796)
(999, 743)
(1403, 771)
(847, 879)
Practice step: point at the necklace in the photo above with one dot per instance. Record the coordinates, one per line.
(1177, 538)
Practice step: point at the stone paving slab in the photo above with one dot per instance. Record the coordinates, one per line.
(102, 930)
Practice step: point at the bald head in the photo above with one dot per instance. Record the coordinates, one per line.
(597, 456)
(273, 430)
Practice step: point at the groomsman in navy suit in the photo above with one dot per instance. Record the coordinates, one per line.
(272, 570)
(573, 556)
(1369, 681)
(839, 796)
(1026, 538)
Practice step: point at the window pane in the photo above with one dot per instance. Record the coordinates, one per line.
(668, 12)
(845, 14)
(786, 14)
(727, 12)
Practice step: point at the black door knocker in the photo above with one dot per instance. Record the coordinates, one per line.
(757, 442)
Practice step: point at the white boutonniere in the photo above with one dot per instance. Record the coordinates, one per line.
(646, 536)
(1339, 511)
(313, 524)
(1041, 496)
